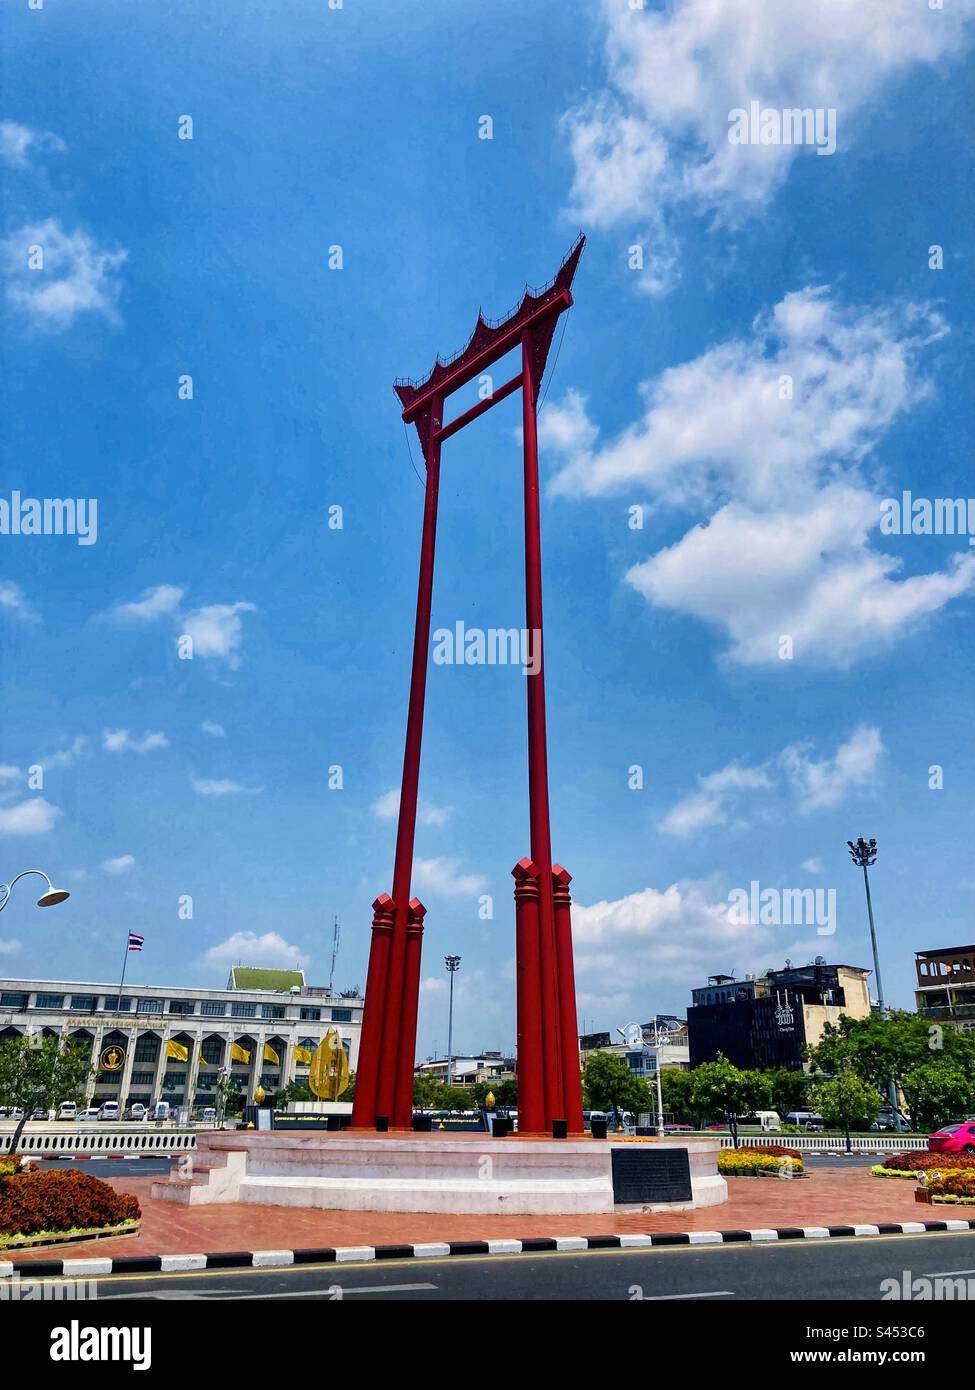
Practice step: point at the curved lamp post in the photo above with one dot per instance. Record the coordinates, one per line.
(864, 855)
(50, 898)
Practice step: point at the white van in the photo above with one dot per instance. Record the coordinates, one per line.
(68, 1110)
(160, 1111)
(208, 1115)
(109, 1110)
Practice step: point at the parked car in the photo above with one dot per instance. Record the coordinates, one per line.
(953, 1139)
(888, 1122)
(38, 1113)
(136, 1111)
(160, 1111)
(68, 1110)
(109, 1110)
(804, 1119)
(91, 1113)
(208, 1115)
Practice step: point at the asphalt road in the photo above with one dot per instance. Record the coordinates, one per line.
(845, 1269)
(114, 1167)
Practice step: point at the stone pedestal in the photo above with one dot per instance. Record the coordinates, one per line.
(462, 1173)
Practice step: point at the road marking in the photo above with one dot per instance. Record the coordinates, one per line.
(948, 1273)
(667, 1297)
(237, 1295)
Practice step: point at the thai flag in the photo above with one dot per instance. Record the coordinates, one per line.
(135, 941)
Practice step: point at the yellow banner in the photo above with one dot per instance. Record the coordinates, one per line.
(177, 1051)
(303, 1055)
(270, 1055)
(238, 1053)
(329, 1075)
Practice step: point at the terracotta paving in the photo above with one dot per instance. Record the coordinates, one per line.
(827, 1197)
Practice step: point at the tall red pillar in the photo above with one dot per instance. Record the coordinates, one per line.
(370, 1042)
(402, 1116)
(531, 1088)
(571, 1074)
(541, 844)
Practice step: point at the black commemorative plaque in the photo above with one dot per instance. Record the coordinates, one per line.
(643, 1174)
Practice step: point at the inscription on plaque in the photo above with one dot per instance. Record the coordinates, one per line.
(642, 1174)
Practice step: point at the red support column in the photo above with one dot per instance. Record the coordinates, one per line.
(541, 846)
(402, 1116)
(571, 1076)
(370, 1041)
(531, 1090)
(395, 1035)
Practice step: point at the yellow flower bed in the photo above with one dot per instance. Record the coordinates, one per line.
(738, 1163)
(879, 1171)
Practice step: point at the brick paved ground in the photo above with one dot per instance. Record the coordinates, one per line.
(828, 1197)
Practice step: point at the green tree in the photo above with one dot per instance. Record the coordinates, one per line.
(845, 1101)
(676, 1087)
(505, 1093)
(33, 1077)
(787, 1090)
(452, 1098)
(608, 1084)
(720, 1088)
(425, 1089)
(938, 1092)
(881, 1049)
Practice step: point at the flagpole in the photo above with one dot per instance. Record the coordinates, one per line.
(125, 961)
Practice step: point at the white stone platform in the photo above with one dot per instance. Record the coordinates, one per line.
(461, 1173)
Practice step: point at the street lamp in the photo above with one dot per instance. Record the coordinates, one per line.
(50, 898)
(453, 965)
(864, 854)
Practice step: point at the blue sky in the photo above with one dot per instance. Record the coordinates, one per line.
(360, 128)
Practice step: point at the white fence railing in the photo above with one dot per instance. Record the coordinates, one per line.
(65, 1143)
(820, 1143)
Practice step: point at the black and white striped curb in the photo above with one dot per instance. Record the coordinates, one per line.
(437, 1250)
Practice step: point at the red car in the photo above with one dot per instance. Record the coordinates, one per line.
(954, 1139)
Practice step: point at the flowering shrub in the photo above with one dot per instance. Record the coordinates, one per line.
(908, 1165)
(60, 1201)
(957, 1188)
(744, 1163)
(779, 1150)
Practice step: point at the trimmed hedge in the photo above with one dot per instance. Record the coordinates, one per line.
(61, 1201)
(909, 1163)
(742, 1163)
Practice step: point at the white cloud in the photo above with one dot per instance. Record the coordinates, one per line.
(9, 946)
(657, 136)
(33, 817)
(9, 773)
(162, 599)
(646, 939)
(825, 783)
(443, 876)
(769, 434)
(78, 276)
(245, 947)
(17, 141)
(853, 767)
(810, 576)
(216, 629)
(13, 600)
(223, 786)
(64, 757)
(387, 808)
(813, 866)
(120, 741)
(214, 730)
(121, 865)
(723, 425)
(710, 803)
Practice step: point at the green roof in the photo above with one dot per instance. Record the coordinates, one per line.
(250, 977)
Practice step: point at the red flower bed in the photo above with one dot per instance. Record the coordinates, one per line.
(776, 1150)
(920, 1161)
(959, 1185)
(59, 1201)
